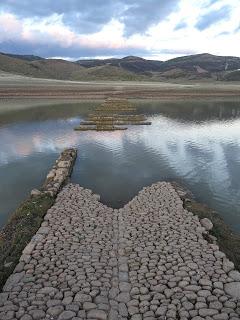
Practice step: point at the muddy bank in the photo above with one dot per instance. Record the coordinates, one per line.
(27, 218)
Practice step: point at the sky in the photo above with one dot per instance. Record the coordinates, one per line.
(153, 29)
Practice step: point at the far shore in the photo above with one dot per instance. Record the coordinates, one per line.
(19, 87)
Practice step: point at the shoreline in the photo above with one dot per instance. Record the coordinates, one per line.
(12, 104)
(52, 89)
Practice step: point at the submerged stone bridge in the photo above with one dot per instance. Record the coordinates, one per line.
(148, 260)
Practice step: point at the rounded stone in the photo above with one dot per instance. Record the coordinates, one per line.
(97, 314)
(66, 315)
(235, 275)
(233, 289)
(206, 223)
(55, 311)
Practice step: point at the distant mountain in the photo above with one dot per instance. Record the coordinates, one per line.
(56, 69)
(206, 62)
(193, 67)
(23, 57)
(130, 63)
(62, 70)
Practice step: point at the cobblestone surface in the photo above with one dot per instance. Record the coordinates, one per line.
(148, 260)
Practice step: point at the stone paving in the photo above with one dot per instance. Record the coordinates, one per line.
(148, 260)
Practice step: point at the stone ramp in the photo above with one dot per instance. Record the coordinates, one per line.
(148, 260)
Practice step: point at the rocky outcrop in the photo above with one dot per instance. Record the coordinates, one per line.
(148, 260)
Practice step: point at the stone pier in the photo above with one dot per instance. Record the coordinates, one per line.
(148, 260)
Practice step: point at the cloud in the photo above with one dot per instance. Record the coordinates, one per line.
(140, 15)
(161, 29)
(10, 27)
(178, 51)
(224, 33)
(73, 52)
(212, 17)
(180, 25)
(90, 16)
(237, 29)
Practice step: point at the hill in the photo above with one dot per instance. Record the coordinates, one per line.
(193, 67)
(106, 72)
(232, 75)
(62, 70)
(130, 63)
(206, 62)
(29, 57)
(56, 69)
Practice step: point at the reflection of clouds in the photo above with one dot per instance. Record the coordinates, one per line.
(200, 154)
(207, 138)
(51, 136)
(112, 141)
(22, 140)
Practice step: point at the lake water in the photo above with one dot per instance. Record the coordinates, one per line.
(196, 143)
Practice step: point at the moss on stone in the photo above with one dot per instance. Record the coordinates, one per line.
(19, 230)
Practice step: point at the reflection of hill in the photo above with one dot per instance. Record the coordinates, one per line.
(48, 112)
(193, 110)
(190, 111)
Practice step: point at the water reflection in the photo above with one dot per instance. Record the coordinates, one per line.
(195, 143)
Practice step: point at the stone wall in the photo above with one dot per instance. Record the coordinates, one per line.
(59, 173)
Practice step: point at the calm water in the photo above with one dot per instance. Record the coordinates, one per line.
(194, 143)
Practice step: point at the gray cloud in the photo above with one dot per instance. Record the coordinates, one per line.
(212, 17)
(89, 16)
(55, 50)
(142, 14)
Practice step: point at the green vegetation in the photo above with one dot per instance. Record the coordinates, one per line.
(19, 230)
